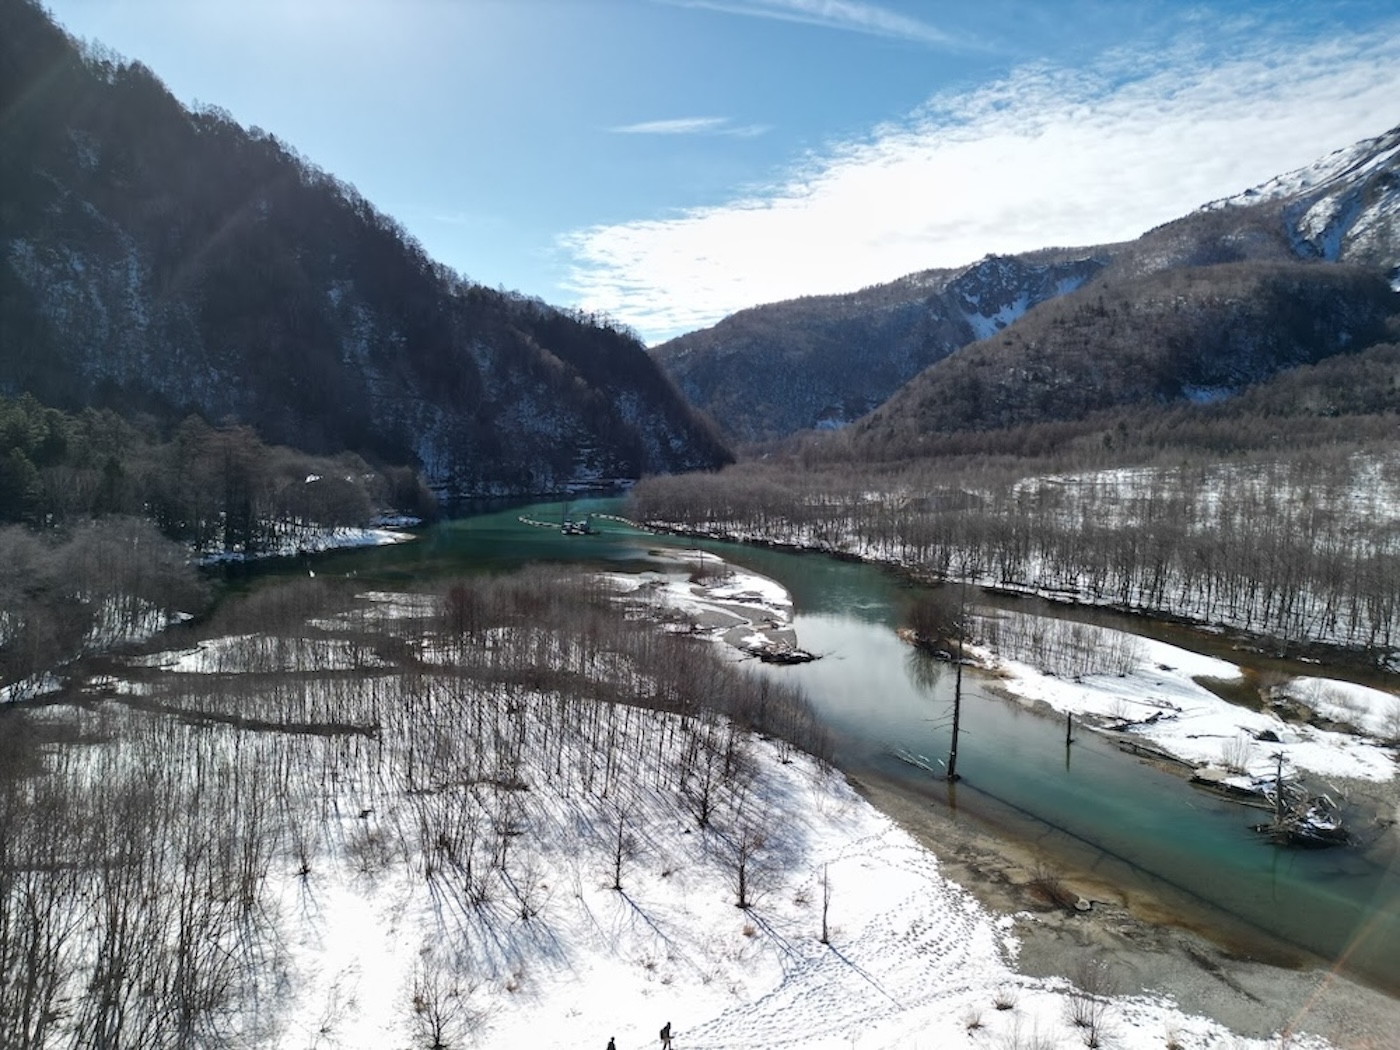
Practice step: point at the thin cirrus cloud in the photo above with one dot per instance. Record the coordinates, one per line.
(1044, 157)
(691, 126)
(850, 15)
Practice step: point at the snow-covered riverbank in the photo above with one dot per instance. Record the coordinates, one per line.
(1161, 699)
(291, 539)
(750, 613)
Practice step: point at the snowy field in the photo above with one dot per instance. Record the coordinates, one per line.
(1160, 691)
(1364, 494)
(912, 959)
(496, 865)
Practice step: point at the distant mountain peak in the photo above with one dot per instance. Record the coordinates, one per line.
(1345, 207)
(1343, 166)
(1223, 285)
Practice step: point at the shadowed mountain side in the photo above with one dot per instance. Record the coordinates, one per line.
(1345, 401)
(822, 361)
(163, 261)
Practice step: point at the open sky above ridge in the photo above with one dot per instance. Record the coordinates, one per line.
(667, 162)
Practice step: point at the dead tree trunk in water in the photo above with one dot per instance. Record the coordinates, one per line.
(957, 688)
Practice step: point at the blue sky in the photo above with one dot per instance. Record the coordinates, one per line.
(667, 162)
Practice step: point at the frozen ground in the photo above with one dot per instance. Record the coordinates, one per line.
(611, 911)
(1162, 693)
(750, 613)
(913, 960)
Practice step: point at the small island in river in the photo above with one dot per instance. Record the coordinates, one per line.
(750, 613)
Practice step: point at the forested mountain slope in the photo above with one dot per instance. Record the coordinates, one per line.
(1199, 333)
(1118, 336)
(168, 262)
(822, 361)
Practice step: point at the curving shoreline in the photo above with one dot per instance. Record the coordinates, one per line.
(1149, 950)
(1240, 977)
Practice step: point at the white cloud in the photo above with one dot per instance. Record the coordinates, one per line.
(677, 126)
(691, 126)
(852, 15)
(1045, 157)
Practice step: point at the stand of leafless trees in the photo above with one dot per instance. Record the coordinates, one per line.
(1059, 647)
(66, 594)
(1300, 548)
(308, 734)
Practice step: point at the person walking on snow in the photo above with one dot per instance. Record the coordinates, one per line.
(611, 1044)
(666, 1037)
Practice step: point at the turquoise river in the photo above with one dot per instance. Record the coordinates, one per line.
(1089, 808)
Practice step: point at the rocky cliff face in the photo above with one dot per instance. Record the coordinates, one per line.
(169, 262)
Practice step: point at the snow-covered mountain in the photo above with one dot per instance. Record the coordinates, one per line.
(1343, 208)
(822, 362)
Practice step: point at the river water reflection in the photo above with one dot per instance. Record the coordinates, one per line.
(1088, 806)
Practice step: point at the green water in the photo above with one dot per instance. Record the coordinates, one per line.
(1089, 806)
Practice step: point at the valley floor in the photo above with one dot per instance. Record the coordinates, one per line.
(1149, 951)
(458, 861)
